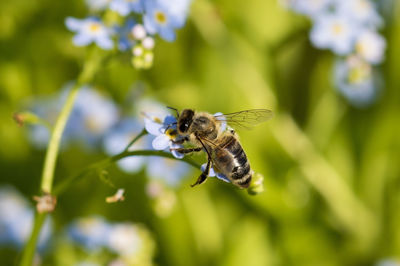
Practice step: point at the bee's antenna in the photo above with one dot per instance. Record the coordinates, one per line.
(176, 110)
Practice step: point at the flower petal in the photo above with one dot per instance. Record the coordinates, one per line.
(82, 39)
(152, 127)
(73, 24)
(161, 142)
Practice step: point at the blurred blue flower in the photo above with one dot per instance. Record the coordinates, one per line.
(334, 32)
(124, 7)
(166, 134)
(91, 232)
(97, 5)
(311, 8)
(124, 239)
(212, 173)
(371, 46)
(355, 79)
(119, 136)
(126, 38)
(362, 12)
(92, 116)
(163, 17)
(169, 171)
(90, 30)
(16, 220)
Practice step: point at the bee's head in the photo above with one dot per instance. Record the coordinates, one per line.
(185, 120)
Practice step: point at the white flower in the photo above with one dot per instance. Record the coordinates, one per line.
(371, 46)
(124, 239)
(334, 32)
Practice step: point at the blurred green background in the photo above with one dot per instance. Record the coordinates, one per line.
(332, 172)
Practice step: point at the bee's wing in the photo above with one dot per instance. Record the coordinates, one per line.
(247, 118)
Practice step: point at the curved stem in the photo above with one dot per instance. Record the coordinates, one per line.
(60, 188)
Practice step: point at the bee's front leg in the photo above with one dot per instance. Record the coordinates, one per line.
(204, 174)
(187, 150)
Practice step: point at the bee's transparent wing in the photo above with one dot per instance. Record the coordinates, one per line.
(247, 118)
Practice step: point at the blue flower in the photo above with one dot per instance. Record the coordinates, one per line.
(126, 38)
(124, 239)
(166, 134)
(311, 8)
(97, 5)
(16, 220)
(92, 116)
(90, 30)
(335, 32)
(355, 79)
(213, 173)
(169, 171)
(163, 17)
(371, 46)
(90, 232)
(118, 137)
(362, 12)
(124, 7)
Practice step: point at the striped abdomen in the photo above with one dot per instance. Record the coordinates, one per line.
(231, 160)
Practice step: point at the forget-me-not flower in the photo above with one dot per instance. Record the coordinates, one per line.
(371, 46)
(90, 30)
(16, 220)
(97, 5)
(355, 79)
(90, 232)
(162, 17)
(124, 7)
(125, 35)
(169, 171)
(311, 8)
(166, 134)
(362, 12)
(92, 116)
(124, 239)
(334, 32)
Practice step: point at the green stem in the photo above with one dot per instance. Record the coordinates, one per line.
(89, 69)
(60, 188)
(141, 134)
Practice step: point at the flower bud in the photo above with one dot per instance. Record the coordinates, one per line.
(148, 43)
(139, 32)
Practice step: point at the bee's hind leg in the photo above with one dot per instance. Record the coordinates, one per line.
(204, 174)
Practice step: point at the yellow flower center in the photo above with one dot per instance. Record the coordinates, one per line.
(160, 17)
(359, 74)
(171, 133)
(337, 29)
(94, 27)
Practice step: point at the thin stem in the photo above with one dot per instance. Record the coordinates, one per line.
(89, 69)
(141, 134)
(30, 248)
(60, 188)
(54, 144)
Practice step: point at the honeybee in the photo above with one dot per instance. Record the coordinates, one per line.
(224, 151)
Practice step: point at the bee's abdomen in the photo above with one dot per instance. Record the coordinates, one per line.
(241, 171)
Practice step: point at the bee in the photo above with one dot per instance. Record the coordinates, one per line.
(224, 151)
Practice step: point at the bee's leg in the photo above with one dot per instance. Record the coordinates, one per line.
(204, 174)
(187, 150)
(182, 140)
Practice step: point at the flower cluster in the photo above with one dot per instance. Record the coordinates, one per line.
(16, 220)
(133, 29)
(350, 30)
(129, 243)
